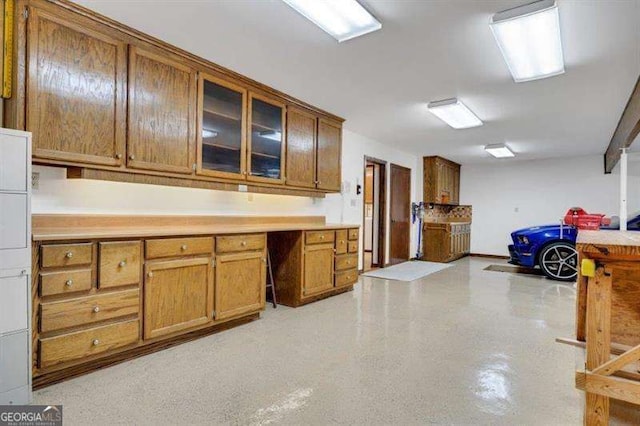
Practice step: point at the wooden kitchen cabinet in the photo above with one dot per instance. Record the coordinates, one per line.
(222, 122)
(445, 242)
(441, 181)
(161, 119)
(178, 295)
(266, 139)
(76, 81)
(301, 148)
(329, 155)
(240, 283)
(318, 269)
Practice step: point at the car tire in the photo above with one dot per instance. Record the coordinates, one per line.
(559, 261)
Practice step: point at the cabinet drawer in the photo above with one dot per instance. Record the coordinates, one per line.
(88, 310)
(346, 261)
(173, 247)
(347, 277)
(318, 237)
(341, 241)
(56, 255)
(68, 347)
(231, 243)
(353, 246)
(353, 233)
(119, 264)
(65, 282)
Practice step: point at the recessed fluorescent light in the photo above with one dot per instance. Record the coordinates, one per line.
(343, 19)
(529, 39)
(499, 150)
(454, 113)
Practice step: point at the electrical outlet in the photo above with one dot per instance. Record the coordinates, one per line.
(242, 188)
(35, 180)
(517, 209)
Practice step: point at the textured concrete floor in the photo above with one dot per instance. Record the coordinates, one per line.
(462, 346)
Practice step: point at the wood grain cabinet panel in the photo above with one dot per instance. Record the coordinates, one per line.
(348, 277)
(245, 242)
(63, 282)
(329, 155)
(353, 246)
(76, 89)
(57, 255)
(318, 269)
(240, 284)
(162, 99)
(266, 139)
(176, 247)
(341, 241)
(346, 261)
(301, 148)
(441, 181)
(87, 310)
(319, 237)
(72, 346)
(178, 295)
(119, 263)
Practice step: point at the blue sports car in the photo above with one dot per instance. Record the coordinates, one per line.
(552, 247)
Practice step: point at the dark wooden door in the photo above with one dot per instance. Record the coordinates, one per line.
(400, 214)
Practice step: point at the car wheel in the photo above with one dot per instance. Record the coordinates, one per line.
(559, 261)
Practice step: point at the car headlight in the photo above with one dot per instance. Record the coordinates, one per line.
(522, 239)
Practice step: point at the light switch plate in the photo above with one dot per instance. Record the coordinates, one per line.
(35, 180)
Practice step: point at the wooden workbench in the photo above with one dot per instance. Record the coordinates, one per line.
(608, 320)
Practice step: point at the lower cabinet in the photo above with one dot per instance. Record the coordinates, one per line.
(239, 284)
(178, 294)
(318, 269)
(445, 242)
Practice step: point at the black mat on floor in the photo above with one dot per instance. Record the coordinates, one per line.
(514, 269)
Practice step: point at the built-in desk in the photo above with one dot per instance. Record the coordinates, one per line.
(110, 288)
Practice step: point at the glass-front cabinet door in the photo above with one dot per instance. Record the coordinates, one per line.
(221, 128)
(265, 150)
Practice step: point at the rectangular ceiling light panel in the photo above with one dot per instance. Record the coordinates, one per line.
(454, 113)
(342, 19)
(499, 151)
(529, 39)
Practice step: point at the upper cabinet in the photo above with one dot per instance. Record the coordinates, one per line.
(162, 98)
(302, 129)
(112, 103)
(76, 84)
(441, 181)
(266, 139)
(221, 128)
(329, 154)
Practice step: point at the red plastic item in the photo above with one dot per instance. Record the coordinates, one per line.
(576, 216)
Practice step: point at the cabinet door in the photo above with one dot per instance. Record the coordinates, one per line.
(178, 294)
(221, 135)
(318, 269)
(240, 284)
(301, 148)
(76, 89)
(329, 151)
(162, 100)
(265, 144)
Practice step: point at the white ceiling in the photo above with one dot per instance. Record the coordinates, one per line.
(426, 50)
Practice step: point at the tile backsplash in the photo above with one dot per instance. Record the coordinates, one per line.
(444, 212)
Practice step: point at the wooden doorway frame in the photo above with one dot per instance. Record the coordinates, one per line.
(391, 203)
(382, 211)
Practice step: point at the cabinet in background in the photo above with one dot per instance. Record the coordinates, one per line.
(329, 155)
(265, 143)
(240, 283)
(318, 269)
(301, 148)
(178, 295)
(76, 82)
(441, 181)
(445, 242)
(161, 112)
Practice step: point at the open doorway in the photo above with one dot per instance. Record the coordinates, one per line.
(374, 213)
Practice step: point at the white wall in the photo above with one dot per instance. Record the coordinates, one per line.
(508, 195)
(56, 194)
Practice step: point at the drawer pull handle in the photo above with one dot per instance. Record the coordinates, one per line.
(132, 157)
(69, 283)
(150, 274)
(69, 255)
(264, 260)
(96, 342)
(96, 309)
(348, 262)
(118, 156)
(322, 237)
(341, 241)
(183, 247)
(122, 263)
(244, 243)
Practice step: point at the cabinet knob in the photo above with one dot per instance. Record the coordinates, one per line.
(132, 157)
(69, 255)
(150, 274)
(244, 243)
(122, 263)
(183, 247)
(322, 237)
(264, 260)
(96, 342)
(118, 156)
(316, 182)
(69, 283)
(341, 241)
(96, 309)
(348, 262)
